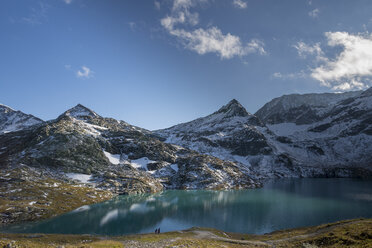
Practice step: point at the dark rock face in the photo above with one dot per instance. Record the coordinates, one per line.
(300, 115)
(233, 108)
(246, 142)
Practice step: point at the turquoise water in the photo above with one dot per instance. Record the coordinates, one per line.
(278, 205)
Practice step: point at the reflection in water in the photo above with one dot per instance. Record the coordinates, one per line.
(280, 204)
(111, 215)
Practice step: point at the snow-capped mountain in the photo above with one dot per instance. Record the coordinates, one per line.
(340, 137)
(300, 109)
(229, 148)
(233, 134)
(83, 156)
(231, 127)
(298, 135)
(116, 156)
(12, 120)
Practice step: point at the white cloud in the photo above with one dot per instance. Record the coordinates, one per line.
(352, 67)
(314, 13)
(304, 50)
(351, 85)
(210, 40)
(157, 5)
(240, 4)
(67, 1)
(182, 4)
(296, 75)
(85, 72)
(68, 67)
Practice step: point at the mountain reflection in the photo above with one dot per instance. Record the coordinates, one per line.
(280, 204)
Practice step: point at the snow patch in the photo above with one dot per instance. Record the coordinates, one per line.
(84, 178)
(141, 163)
(113, 158)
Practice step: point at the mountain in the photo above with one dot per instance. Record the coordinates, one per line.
(300, 109)
(81, 157)
(307, 135)
(335, 140)
(118, 156)
(233, 134)
(12, 120)
(231, 127)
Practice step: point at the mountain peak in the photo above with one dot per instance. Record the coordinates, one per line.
(12, 120)
(233, 108)
(80, 112)
(367, 92)
(4, 108)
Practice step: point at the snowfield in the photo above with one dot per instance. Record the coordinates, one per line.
(84, 178)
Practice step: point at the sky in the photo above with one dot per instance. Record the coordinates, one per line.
(157, 63)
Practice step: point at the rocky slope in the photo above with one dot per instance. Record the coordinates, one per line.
(29, 193)
(12, 120)
(115, 155)
(300, 109)
(307, 135)
(233, 134)
(340, 137)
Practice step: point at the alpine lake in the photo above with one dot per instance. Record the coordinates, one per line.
(279, 204)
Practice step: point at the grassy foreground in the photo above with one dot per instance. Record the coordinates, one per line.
(349, 233)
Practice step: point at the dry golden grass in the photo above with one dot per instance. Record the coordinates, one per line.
(351, 233)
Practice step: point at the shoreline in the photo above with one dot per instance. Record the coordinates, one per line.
(346, 233)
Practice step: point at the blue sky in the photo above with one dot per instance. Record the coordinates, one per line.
(159, 63)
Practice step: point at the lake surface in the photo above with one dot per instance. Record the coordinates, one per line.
(280, 204)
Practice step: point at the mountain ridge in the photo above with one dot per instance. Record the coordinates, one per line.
(228, 149)
(233, 134)
(290, 107)
(14, 120)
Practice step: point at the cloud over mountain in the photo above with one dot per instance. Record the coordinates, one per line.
(352, 67)
(206, 40)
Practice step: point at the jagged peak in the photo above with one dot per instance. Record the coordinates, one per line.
(80, 112)
(3, 105)
(367, 92)
(6, 108)
(233, 108)
(9, 110)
